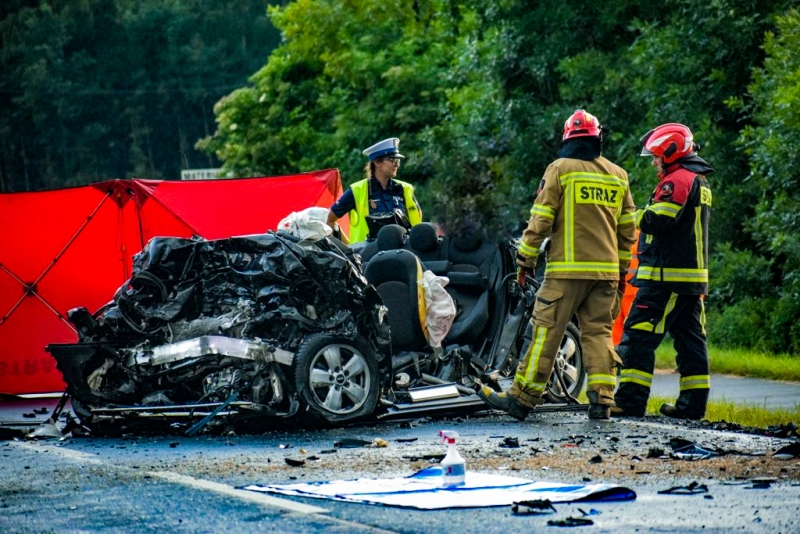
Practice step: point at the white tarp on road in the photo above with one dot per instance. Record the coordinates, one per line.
(423, 490)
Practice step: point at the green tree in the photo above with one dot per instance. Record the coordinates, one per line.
(478, 93)
(347, 74)
(772, 144)
(99, 89)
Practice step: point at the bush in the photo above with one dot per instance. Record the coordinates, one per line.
(743, 324)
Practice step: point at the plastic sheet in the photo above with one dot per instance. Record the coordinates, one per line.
(441, 310)
(424, 491)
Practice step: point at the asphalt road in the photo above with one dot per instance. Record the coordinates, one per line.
(755, 391)
(179, 484)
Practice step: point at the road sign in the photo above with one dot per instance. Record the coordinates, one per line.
(201, 174)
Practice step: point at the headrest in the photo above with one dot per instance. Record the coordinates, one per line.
(423, 237)
(391, 237)
(466, 242)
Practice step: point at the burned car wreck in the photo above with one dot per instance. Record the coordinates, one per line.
(251, 330)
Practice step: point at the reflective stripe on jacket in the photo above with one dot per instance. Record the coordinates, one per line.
(358, 224)
(673, 243)
(586, 209)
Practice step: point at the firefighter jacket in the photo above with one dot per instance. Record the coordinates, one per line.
(673, 242)
(586, 209)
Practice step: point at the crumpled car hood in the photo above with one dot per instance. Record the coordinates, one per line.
(267, 286)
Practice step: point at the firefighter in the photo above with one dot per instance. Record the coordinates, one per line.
(380, 195)
(584, 205)
(672, 278)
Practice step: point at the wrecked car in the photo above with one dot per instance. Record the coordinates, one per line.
(246, 330)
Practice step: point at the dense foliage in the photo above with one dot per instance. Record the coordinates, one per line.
(476, 91)
(99, 89)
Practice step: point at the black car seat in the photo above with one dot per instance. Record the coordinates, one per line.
(390, 237)
(395, 273)
(474, 282)
(430, 247)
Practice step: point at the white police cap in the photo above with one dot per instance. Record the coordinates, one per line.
(387, 147)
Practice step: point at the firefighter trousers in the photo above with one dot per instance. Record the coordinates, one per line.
(654, 313)
(557, 302)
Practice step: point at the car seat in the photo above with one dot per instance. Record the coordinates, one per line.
(476, 271)
(390, 237)
(395, 274)
(430, 247)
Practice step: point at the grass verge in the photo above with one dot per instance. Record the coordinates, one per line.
(743, 414)
(739, 362)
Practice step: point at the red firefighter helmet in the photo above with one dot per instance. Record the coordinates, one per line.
(669, 142)
(581, 124)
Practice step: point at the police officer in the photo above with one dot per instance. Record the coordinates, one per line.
(378, 193)
(672, 278)
(584, 205)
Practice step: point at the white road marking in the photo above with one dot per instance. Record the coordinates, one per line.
(244, 495)
(216, 487)
(62, 451)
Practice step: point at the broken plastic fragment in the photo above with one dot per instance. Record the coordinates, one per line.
(45, 431)
(787, 452)
(536, 506)
(351, 443)
(570, 522)
(591, 511)
(684, 449)
(692, 489)
(510, 443)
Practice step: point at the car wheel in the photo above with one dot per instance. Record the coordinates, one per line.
(336, 378)
(569, 363)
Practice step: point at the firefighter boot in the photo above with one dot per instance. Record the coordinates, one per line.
(690, 405)
(597, 410)
(631, 400)
(504, 402)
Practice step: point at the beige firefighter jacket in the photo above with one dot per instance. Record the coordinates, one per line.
(586, 209)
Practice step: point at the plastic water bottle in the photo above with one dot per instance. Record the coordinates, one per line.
(454, 469)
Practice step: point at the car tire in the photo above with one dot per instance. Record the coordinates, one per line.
(336, 378)
(570, 360)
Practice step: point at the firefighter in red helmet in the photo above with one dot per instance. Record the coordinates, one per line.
(584, 206)
(672, 278)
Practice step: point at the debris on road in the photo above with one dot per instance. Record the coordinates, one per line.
(351, 443)
(534, 507)
(787, 452)
(692, 489)
(510, 443)
(683, 449)
(570, 522)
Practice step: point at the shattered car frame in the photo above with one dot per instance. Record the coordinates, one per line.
(244, 330)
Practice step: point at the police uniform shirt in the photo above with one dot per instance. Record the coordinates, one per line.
(381, 200)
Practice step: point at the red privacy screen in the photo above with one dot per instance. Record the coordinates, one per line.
(73, 247)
